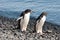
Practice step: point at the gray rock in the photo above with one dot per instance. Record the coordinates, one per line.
(7, 31)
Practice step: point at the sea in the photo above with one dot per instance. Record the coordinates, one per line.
(13, 8)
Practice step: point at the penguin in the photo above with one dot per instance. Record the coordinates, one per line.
(39, 23)
(23, 20)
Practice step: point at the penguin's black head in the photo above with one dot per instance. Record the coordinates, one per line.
(27, 11)
(44, 13)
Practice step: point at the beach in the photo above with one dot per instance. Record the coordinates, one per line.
(8, 31)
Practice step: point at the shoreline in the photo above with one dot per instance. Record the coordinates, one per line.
(7, 31)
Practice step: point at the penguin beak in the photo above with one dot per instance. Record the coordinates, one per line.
(19, 18)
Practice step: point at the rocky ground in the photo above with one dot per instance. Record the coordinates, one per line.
(8, 31)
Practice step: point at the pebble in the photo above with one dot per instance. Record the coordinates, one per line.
(7, 32)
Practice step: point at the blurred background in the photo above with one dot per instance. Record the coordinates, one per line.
(13, 8)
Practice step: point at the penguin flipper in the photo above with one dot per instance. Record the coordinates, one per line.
(19, 18)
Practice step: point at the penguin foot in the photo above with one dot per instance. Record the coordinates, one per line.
(41, 33)
(23, 30)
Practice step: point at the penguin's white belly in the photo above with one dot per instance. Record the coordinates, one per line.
(24, 22)
(26, 19)
(40, 24)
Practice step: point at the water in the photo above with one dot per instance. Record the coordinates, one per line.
(12, 8)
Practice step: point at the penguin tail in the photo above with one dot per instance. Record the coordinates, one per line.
(19, 18)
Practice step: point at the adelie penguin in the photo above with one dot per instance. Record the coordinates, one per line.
(23, 20)
(40, 22)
